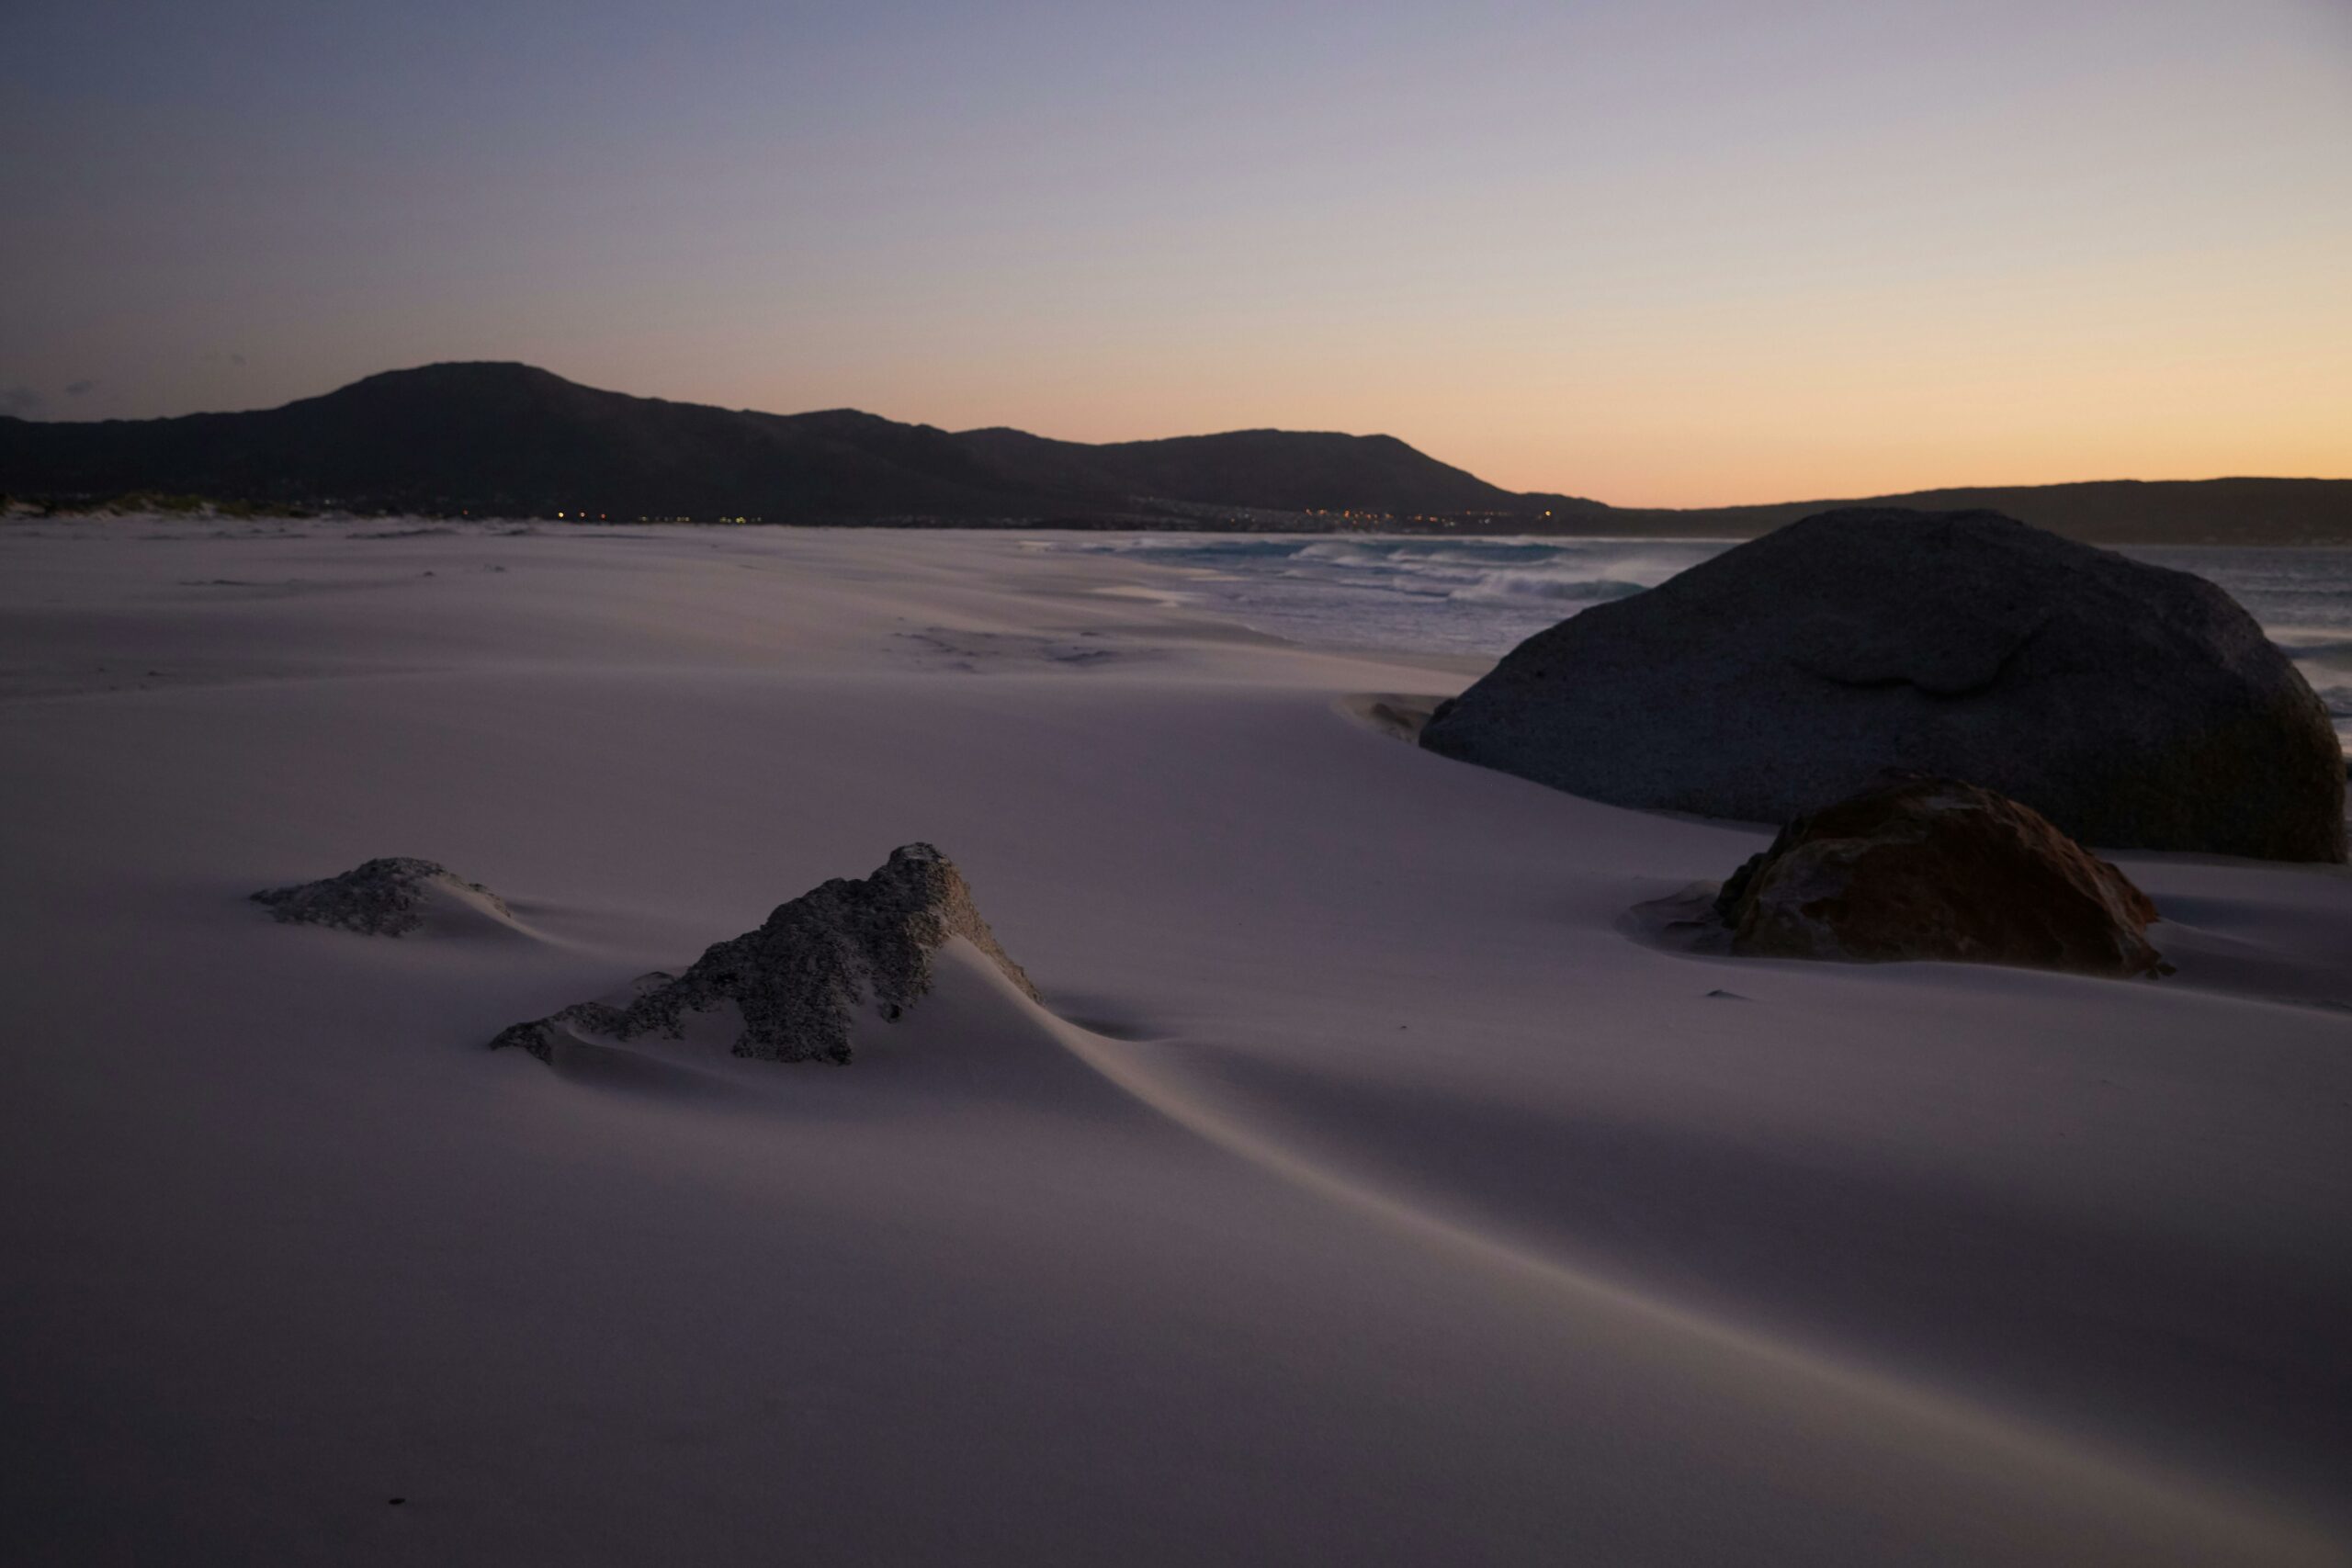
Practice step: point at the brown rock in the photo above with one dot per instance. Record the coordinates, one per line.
(1926, 868)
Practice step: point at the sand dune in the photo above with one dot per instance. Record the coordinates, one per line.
(1359, 1190)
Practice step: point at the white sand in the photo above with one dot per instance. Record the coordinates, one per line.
(1367, 1195)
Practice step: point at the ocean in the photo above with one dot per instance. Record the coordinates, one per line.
(1483, 596)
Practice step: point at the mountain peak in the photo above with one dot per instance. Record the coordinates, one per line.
(462, 377)
(463, 372)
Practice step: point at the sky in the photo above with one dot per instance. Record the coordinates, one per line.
(1654, 251)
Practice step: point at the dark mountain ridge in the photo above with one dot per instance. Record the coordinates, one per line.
(495, 439)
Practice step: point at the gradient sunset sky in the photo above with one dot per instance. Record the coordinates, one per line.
(1678, 252)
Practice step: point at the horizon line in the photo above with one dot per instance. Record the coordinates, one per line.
(1196, 435)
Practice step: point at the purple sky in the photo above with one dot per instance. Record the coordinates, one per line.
(1683, 251)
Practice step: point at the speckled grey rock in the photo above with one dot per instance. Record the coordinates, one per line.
(2132, 706)
(381, 897)
(803, 977)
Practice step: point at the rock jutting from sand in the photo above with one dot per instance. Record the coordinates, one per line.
(389, 897)
(1925, 868)
(2132, 705)
(802, 979)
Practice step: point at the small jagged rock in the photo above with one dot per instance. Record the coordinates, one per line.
(801, 980)
(1928, 868)
(387, 896)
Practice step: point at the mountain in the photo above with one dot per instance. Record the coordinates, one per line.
(511, 440)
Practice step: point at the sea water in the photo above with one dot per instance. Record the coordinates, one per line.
(1481, 597)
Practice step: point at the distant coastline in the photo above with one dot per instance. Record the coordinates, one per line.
(512, 442)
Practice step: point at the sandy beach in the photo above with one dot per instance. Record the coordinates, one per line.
(1369, 1186)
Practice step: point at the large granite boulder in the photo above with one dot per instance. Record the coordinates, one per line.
(1922, 868)
(391, 895)
(799, 984)
(2132, 705)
